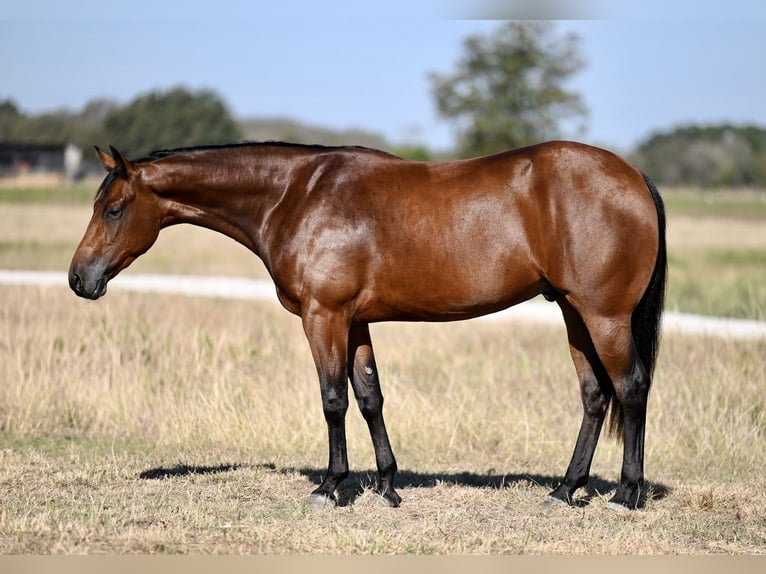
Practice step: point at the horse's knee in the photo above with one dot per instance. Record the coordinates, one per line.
(334, 405)
(370, 405)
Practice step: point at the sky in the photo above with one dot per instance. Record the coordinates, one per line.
(343, 64)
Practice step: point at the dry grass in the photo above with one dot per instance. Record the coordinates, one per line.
(163, 424)
(160, 424)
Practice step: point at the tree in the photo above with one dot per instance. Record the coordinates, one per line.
(54, 127)
(9, 117)
(705, 156)
(508, 88)
(170, 119)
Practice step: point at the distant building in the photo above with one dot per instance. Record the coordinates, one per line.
(27, 159)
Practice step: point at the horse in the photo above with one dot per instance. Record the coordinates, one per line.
(353, 236)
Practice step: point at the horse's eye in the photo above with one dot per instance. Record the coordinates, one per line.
(113, 213)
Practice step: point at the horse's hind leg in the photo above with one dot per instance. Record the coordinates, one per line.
(615, 346)
(363, 373)
(595, 390)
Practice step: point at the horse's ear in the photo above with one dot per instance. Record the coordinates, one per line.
(106, 160)
(122, 163)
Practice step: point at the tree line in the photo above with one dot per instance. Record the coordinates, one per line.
(165, 119)
(723, 155)
(158, 119)
(508, 89)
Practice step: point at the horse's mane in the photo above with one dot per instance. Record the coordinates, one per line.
(163, 153)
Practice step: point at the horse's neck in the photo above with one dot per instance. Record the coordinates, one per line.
(230, 195)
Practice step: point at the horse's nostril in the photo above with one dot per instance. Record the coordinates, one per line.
(75, 283)
(100, 288)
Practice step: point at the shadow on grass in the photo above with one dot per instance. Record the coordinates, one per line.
(162, 472)
(358, 482)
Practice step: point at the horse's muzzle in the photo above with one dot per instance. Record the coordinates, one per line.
(90, 286)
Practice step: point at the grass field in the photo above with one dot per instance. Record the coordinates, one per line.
(161, 424)
(167, 424)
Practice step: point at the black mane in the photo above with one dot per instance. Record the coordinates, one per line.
(162, 153)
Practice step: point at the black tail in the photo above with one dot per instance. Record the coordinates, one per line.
(648, 313)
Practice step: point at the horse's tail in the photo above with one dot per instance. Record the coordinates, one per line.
(648, 313)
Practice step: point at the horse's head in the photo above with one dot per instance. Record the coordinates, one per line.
(126, 221)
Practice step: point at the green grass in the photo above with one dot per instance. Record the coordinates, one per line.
(724, 282)
(740, 204)
(75, 194)
(50, 254)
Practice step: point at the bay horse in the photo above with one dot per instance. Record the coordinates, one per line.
(353, 236)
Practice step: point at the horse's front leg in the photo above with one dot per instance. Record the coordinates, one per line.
(327, 333)
(364, 380)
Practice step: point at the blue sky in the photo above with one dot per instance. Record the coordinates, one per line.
(337, 64)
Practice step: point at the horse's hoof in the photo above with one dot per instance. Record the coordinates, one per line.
(390, 499)
(554, 502)
(318, 500)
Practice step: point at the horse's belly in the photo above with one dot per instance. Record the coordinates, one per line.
(452, 294)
